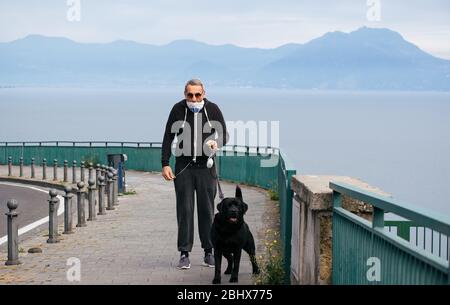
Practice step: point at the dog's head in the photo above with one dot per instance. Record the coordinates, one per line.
(232, 209)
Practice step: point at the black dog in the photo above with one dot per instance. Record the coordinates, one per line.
(230, 234)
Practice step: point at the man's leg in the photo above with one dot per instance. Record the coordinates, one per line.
(206, 188)
(184, 189)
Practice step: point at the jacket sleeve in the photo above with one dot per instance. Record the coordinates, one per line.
(223, 136)
(166, 150)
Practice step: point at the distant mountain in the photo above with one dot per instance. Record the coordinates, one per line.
(366, 59)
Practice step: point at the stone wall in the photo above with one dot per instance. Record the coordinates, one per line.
(312, 230)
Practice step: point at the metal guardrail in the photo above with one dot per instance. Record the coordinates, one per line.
(285, 193)
(83, 143)
(427, 239)
(357, 241)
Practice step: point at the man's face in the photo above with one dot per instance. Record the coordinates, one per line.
(194, 93)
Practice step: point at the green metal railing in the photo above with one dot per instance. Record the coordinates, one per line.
(145, 156)
(427, 239)
(285, 193)
(359, 244)
(265, 167)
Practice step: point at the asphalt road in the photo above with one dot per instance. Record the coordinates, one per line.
(33, 205)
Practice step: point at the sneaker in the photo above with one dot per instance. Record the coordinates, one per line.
(184, 262)
(208, 260)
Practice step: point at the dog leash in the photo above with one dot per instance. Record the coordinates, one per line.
(221, 196)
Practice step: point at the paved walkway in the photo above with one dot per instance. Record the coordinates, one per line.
(134, 244)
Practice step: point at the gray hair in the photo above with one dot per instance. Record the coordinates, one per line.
(193, 82)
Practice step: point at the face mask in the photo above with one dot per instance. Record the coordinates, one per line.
(195, 107)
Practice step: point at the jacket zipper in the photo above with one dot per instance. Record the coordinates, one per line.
(195, 137)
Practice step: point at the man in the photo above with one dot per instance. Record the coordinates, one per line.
(200, 131)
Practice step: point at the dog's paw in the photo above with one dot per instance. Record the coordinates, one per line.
(216, 281)
(227, 271)
(233, 279)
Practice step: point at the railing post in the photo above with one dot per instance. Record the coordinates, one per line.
(9, 166)
(80, 205)
(105, 175)
(337, 199)
(21, 167)
(97, 172)
(55, 170)
(68, 210)
(33, 174)
(378, 218)
(13, 233)
(101, 195)
(110, 192)
(91, 172)
(82, 171)
(53, 218)
(44, 169)
(65, 171)
(91, 199)
(116, 187)
(74, 172)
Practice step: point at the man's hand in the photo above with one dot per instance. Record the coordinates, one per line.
(167, 173)
(212, 145)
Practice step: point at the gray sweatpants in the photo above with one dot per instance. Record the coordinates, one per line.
(201, 181)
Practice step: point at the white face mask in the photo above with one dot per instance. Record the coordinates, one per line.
(195, 107)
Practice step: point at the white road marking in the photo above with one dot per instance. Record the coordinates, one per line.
(37, 223)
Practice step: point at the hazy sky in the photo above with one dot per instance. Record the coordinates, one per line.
(248, 23)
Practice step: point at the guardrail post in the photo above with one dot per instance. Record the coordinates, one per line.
(44, 169)
(82, 171)
(13, 233)
(9, 166)
(55, 170)
(65, 171)
(68, 210)
(74, 172)
(110, 169)
(116, 187)
(53, 217)
(80, 205)
(33, 174)
(101, 195)
(91, 173)
(110, 192)
(97, 172)
(378, 218)
(21, 167)
(91, 199)
(105, 175)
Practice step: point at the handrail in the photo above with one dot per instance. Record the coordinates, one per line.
(425, 217)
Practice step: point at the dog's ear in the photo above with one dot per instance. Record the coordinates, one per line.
(219, 207)
(245, 206)
(238, 192)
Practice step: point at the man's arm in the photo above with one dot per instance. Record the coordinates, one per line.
(166, 150)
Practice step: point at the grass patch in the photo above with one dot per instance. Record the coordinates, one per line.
(271, 262)
(274, 195)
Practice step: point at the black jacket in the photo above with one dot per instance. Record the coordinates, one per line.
(178, 113)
